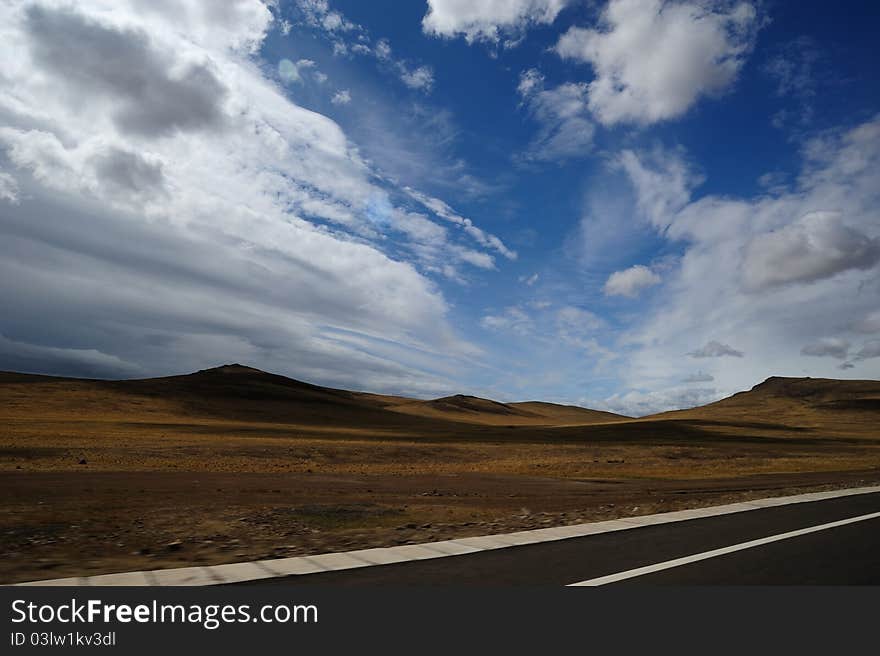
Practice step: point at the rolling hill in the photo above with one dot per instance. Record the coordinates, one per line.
(815, 404)
(237, 392)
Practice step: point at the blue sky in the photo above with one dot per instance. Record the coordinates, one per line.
(634, 205)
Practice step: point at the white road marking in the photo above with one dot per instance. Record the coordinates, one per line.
(678, 562)
(301, 565)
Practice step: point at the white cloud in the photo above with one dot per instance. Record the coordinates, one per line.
(441, 209)
(815, 246)
(830, 347)
(514, 319)
(318, 14)
(530, 80)
(550, 326)
(421, 78)
(796, 69)
(383, 49)
(476, 258)
(699, 377)
(765, 275)
(434, 250)
(654, 59)
(638, 403)
(8, 188)
(166, 96)
(488, 20)
(566, 130)
(715, 349)
(792, 68)
(193, 185)
(578, 328)
(341, 97)
(630, 282)
(291, 72)
(337, 28)
(663, 182)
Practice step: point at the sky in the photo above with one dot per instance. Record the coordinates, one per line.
(632, 205)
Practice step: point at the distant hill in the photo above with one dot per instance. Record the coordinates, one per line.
(474, 410)
(239, 395)
(238, 392)
(798, 402)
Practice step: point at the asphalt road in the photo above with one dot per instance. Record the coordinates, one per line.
(844, 555)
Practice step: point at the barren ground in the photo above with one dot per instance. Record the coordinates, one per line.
(98, 477)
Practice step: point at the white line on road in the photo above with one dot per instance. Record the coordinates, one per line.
(301, 565)
(678, 562)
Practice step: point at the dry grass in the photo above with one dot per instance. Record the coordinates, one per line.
(235, 463)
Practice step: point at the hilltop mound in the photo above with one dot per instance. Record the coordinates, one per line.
(822, 393)
(806, 403)
(475, 410)
(569, 414)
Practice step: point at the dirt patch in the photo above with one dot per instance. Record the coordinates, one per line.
(75, 523)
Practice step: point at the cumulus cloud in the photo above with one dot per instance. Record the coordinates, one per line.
(341, 97)
(715, 349)
(421, 78)
(816, 245)
(630, 282)
(180, 247)
(129, 172)
(383, 49)
(488, 20)
(654, 59)
(566, 130)
(831, 347)
(147, 95)
(770, 273)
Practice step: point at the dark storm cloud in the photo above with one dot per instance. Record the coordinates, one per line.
(87, 57)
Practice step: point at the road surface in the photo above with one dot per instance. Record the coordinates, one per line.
(830, 542)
